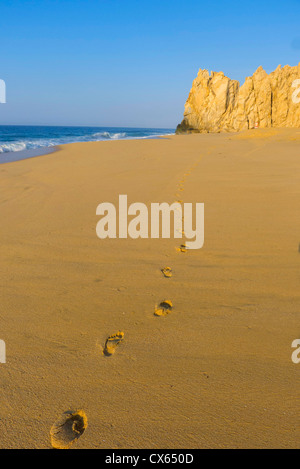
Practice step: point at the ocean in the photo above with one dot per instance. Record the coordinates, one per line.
(15, 139)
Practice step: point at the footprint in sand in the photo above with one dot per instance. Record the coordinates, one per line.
(112, 342)
(167, 272)
(164, 308)
(68, 429)
(182, 248)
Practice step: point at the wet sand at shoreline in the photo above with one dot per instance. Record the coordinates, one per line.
(214, 373)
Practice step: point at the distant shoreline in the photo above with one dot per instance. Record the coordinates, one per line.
(22, 142)
(13, 156)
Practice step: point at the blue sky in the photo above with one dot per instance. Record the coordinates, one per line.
(131, 62)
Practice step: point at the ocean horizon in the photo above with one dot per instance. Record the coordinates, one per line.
(19, 138)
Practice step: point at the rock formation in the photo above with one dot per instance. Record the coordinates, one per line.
(216, 103)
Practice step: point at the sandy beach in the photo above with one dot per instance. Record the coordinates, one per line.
(214, 373)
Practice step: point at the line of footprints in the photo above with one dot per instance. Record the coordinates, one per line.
(71, 425)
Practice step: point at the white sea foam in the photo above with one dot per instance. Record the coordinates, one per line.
(12, 147)
(25, 145)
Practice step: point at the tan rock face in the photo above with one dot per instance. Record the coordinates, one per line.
(216, 103)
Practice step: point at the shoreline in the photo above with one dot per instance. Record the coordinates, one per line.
(11, 157)
(14, 156)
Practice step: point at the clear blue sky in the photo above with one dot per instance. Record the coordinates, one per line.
(132, 62)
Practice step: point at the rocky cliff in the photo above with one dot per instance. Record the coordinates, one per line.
(216, 103)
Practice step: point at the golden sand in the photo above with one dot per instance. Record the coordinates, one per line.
(217, 372)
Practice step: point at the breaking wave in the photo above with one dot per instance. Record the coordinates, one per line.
(20, 138)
